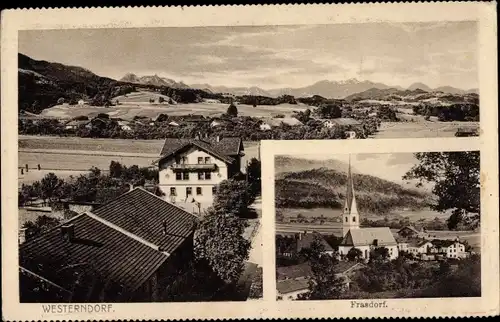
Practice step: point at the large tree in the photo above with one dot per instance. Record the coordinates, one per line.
(324, 283)
(233, 197)
(51, 187)
(455, 176)
(253, 176)
(219, 241)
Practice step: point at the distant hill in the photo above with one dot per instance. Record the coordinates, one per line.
(154, 80)
(325, 187)
(42, 83)
(416, 95)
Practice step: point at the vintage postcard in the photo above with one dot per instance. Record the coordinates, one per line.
(272, 161)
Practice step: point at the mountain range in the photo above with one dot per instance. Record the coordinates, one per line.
(327, 88)
(154, 80)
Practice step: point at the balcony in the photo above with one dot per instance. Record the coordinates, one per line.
(194, 166)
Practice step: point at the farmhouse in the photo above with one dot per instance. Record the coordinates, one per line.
(294, 280)
(268, 123)
(364, 239)
(419, 247)
(450, 248)
(305, 240)
(190, 169)
(330, 123)
(127, 250)
(74, 124)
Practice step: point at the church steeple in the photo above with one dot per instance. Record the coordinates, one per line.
(350, 216)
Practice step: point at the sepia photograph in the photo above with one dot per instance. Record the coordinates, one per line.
(368, 226)
(249, 162)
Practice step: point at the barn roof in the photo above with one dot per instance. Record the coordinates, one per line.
(368, 236)
(305, 240)
(144, 215)
(291, 285)
(96, 246)
(294, 271)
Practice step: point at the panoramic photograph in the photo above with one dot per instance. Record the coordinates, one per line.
(377, 226)
(139, 172)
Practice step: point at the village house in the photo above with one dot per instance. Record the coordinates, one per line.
(124, 125)
(450, 248)
(364, 239)
(74, 124)
(191, 169)
(112, 254)
(268, 123)
(330, 123)
(292, 281)
(420, 247)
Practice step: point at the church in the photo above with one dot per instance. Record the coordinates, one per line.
(364, 239)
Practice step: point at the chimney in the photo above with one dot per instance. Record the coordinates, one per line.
(218, 138)
(130, 187)
(164, 227)
(68, 231)
(22, 235)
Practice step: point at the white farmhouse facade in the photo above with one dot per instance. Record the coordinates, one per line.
(190, 170)
(453, 249)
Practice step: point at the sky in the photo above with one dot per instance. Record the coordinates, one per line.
(388, 166)
(435, 54)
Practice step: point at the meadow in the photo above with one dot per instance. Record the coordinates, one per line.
(127, 111)
(422, 129)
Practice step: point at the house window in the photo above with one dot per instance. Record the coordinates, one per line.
(207, 160)
(199, 192)
(208, 176)
(354, 219)
(173, 192)
(189, 191)
(186, 175)
(201, 176)
(178, 176)
(200, 160)
(346, 219)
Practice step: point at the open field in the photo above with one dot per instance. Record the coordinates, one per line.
(128, 111)
(413, 215)
(88, 144)
(424, 129)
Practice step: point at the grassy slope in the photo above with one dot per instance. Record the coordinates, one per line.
(325, 187)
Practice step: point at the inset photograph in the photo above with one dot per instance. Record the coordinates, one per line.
(369, 226)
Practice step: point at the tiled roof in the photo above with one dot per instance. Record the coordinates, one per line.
(143, 214)
(306, 239)
(343, 121)
(115, 256)
(286, 120)
(410, 227)
(344, 266)
(443, 242)
(295, 271)
(225, 148)
(367, 236)
(288, 286)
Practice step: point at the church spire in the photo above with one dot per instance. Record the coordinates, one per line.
(350, 213)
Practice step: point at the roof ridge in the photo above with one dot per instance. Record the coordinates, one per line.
(141, 188)
(125, 232)
(54, 228)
